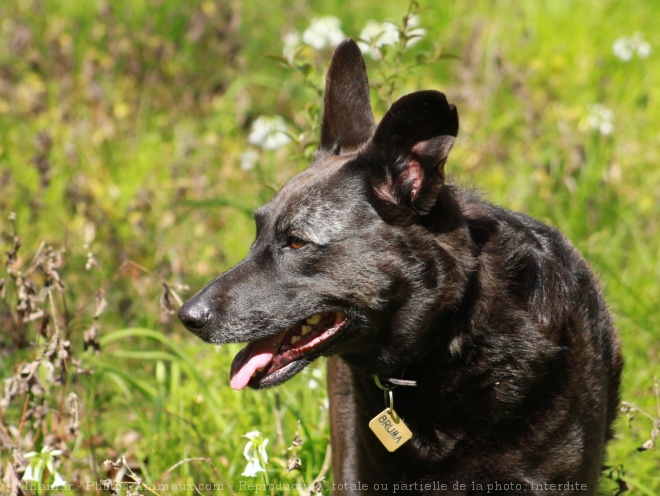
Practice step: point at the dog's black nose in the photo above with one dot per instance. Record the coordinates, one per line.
(193, 315)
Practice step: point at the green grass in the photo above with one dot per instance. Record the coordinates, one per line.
(147, 107)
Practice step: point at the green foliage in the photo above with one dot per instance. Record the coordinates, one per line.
(124, 128)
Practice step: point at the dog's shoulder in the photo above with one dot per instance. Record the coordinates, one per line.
(491, 225)
(512, 239)
(530, 265)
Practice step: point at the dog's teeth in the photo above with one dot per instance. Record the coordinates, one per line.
(305, 329)
(314, 319)
(295, 339)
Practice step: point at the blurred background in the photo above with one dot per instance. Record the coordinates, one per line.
(136, 138)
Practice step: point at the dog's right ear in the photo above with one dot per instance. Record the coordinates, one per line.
(348, 121)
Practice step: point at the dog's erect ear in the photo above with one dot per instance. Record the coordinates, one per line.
(347, 118)
(408, 151)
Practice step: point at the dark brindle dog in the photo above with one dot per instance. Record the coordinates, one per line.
(370, 258)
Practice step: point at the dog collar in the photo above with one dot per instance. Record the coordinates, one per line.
(394, 382)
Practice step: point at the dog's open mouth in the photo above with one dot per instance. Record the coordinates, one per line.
(276, 358)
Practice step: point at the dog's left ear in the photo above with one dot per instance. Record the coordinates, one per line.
(407, 154)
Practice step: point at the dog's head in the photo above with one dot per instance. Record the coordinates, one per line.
(343, 261)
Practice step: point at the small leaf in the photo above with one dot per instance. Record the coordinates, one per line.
(279, 58)
(166, 303)
(305, 68)
(101, 303)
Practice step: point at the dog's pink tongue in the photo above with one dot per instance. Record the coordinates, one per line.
(251, 358)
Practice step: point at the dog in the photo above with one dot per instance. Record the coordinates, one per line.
(487, 332)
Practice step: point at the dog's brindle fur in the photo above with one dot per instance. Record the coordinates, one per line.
(495, 316)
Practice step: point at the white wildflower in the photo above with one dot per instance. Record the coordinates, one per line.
(642, 47)
(291, 41)
(601, 119)
(380, 33)
(249, 159)
(269, 132)
(255, 453)
(312, 384)
(622, 49)
(414, 32)
(58, 481)
(38, 461)
(376, 35)
(34, 470)
(626, 47)
(323, 32)
(252, 468)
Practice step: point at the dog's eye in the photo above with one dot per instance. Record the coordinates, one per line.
(296, 243)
